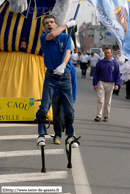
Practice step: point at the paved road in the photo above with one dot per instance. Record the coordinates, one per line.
(101, 164)
(105, 147)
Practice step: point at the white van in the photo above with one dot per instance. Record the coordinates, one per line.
(94, 50)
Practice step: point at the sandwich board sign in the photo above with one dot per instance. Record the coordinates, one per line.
(17, 109)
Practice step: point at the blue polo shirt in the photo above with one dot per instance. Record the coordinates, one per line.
(107, 71)
(53, 51)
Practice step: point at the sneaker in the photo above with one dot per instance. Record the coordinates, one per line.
(73, 141)
(105, 119)
(41, 140)
(56, 140)
(97, 119)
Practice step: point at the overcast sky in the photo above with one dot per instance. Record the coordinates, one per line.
(84, 14)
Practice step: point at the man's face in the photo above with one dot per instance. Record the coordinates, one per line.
(76, 50)
(118, 52)
(84, 52)
(49, 24)
(108, 54)
(23, 44)
(115, 52)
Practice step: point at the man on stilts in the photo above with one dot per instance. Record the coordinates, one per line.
(58, 75)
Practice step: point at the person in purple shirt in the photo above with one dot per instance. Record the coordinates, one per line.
(106, 78)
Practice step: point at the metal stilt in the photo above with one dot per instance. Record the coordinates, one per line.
(43, 160)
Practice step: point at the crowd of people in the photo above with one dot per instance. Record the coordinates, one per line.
(85, 59)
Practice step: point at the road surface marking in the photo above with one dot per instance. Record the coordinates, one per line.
(9, 178)
(31, 152)
(79, 174)
(10, 137)
(18, 125)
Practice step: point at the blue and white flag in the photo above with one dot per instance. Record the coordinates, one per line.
(114, 14)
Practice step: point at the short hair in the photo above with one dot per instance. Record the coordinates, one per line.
(108, 48)
(76, 49)
(23, 39)
(49, 16)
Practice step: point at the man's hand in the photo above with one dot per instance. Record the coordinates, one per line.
(116, 87)
(59, 70)
(95, 88)
(71, 23)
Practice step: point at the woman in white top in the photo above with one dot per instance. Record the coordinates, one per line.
(74, 57)
(93, 59)
(121, 61)
(83, 63)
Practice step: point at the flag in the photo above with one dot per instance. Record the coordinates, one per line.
(114, 14)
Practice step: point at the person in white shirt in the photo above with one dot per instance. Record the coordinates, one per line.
(74, 57)
(83, 63)
(121, 61)
(93, 59)
(125, 71)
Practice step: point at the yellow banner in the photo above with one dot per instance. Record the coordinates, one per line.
(16, 109)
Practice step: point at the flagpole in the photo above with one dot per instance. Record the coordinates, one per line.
(76, 13)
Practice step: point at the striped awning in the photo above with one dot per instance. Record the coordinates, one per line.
(28, 25)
